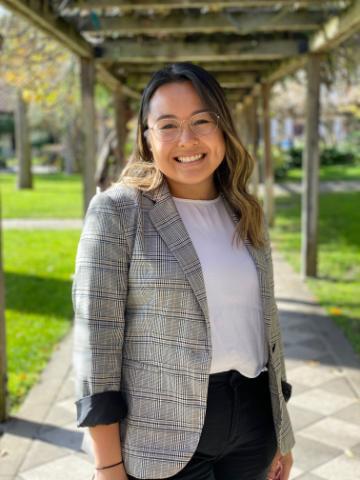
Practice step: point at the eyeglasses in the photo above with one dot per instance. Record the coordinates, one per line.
(169, 129)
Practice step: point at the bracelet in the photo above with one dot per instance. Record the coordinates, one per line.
(109, 466)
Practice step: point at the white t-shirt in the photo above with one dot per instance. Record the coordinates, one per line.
(232, 288)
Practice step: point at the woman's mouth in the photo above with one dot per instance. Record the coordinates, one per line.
(190, 158)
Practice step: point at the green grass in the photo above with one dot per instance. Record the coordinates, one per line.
(338, 284)
(38, 270)
(53, 196)
(327, 173)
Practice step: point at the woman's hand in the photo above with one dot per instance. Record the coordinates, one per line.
(116, 473)
(280, 466)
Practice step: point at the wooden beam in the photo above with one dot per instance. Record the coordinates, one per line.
(174, 24)
(337, 29)
(41, 14)
(113, 83)
(89, 129)
(310, 195)
(3, 360)
(133, 51)
(125, 69)
(226, 80)
(268, 165)
(156, 5)
(332, 33)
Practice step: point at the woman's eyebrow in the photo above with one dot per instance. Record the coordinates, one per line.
(168, 115)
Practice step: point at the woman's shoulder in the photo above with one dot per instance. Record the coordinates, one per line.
(117, 197)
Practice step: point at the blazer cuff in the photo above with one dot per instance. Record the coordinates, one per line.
(286, 390)
(101, 409)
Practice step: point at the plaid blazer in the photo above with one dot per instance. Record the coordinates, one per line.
(142, 329)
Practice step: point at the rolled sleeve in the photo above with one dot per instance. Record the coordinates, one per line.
(101, 409)
(99, 296)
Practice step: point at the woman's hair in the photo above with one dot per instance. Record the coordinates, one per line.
(232, 175)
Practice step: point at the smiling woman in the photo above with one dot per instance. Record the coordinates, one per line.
(177, 346)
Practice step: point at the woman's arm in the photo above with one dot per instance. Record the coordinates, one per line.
(107, 451)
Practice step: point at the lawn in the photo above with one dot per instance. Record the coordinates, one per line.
(338, 285)
(38, 270)
(328, 173)
(53, 196)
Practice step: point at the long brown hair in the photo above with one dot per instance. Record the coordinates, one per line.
(232, 175)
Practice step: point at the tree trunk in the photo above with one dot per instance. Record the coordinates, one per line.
(23, 150)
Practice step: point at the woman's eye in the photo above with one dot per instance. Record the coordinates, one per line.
(167, 126)
(201, 121)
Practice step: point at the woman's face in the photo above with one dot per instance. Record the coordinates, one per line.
(192, 179)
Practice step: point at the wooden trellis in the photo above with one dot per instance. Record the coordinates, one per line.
(247, 44)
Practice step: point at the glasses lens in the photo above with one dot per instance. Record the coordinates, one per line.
(204, 123)
(167, 129)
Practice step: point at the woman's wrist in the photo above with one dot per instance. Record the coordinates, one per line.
(115, 473)
(106, 467)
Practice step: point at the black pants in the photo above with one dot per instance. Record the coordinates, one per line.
(238, 439)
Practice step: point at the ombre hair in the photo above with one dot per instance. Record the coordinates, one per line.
(231, 177)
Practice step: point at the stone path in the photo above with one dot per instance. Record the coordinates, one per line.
(41, 442)
(42, 224)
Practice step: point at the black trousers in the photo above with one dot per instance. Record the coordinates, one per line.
(238, 439)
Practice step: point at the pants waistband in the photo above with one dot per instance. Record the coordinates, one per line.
(234, 378)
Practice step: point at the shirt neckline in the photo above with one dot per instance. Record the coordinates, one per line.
(199, 202)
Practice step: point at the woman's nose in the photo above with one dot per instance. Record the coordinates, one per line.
(186, 134)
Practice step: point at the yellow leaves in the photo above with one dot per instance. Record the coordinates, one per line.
(335, 311)
(36, 65)
(10, 77)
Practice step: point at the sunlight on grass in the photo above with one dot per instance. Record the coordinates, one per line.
(38, 277)
(338, 284)
(53, 196)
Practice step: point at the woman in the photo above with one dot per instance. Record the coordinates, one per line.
(178, 355)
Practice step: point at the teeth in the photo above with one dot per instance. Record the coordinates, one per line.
(193, 158)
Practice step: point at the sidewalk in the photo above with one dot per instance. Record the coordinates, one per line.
(42, 442)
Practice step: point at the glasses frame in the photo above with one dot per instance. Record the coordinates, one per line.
(181, 123)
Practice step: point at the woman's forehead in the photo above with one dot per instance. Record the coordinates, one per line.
(177, 98)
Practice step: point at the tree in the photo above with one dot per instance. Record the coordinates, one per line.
(46, 77)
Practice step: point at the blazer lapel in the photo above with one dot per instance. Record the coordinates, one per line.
(168, 223)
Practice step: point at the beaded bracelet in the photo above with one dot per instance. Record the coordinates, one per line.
(109, 466)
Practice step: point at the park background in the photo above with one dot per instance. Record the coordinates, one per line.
(42, 201)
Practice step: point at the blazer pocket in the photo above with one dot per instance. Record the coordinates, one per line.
(286, 390)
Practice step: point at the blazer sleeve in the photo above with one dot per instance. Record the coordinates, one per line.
(286, 386)
(99, 297)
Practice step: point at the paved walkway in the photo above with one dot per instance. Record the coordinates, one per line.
(42, 441)
(280, 189)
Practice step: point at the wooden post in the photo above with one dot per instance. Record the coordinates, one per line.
(268, 166)
(89, 129)
(120, 127)
(309, 212)
(254, 142)
(3, 367)
(23, 150)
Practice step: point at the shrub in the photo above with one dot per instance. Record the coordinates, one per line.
(328, 156)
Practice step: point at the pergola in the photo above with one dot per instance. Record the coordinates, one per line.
(247, 44)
